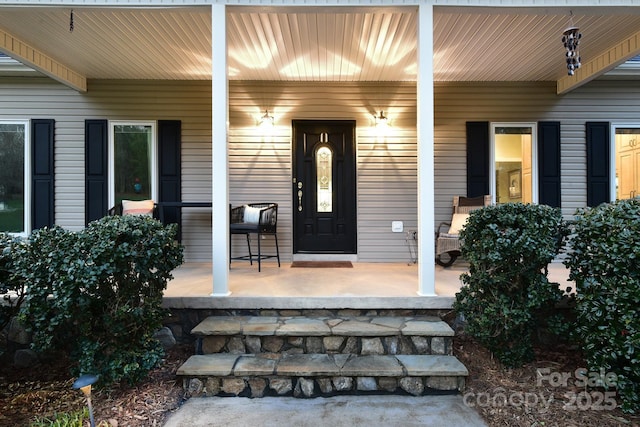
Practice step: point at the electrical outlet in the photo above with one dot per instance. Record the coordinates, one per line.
(397, 226)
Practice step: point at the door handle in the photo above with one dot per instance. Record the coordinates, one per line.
(299, 196)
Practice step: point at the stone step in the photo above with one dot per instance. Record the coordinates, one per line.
(313, 375)
(350, 335)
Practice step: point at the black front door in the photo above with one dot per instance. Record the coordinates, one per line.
(324, 194)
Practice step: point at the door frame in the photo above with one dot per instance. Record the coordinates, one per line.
(318, 255)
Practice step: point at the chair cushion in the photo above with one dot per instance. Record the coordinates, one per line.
(457, 222)
(448, 236)
(243, 228)
(251, 215)
(137, 207)
(471, 201)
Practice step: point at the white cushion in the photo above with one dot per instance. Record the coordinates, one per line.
(251, 215)
(457, 222)
(137, 207)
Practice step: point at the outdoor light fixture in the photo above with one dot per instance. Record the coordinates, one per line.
(571, 39)
(266, 121)
(381, 120)
(84, 383)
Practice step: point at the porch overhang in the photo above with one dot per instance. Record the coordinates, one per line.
(40, 61)
(508, 40)
(606, 61)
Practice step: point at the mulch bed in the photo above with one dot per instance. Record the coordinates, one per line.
(42, 391)
(520, 397)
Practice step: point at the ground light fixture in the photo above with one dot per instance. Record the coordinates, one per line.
(84, 383)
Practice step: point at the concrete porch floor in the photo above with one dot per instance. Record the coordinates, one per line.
(365, 286)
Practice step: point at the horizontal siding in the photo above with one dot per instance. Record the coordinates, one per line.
(386, 169)
(605, 100)
(260, 167)
(190, 102)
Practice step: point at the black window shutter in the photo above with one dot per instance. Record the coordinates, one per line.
(96, 197)
(477, 159)
(169, 159)
(42, 173)
(549, 163)
(598, 173)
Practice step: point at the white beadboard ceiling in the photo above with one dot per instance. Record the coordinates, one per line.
(317, 44)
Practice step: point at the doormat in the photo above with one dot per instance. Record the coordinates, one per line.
(322, 264)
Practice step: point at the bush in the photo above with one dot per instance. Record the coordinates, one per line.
(12, 286)
(604, 256)
(97, 293)
(508, 248)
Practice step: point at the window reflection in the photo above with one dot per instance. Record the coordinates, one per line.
(12, 177)
(132, 163)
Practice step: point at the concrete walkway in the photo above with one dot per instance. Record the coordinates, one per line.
(347, 411)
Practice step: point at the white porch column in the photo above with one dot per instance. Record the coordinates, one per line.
(219, 164)
(425, 109)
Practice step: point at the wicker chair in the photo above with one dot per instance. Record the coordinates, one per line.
(260, 219)
(448, 242)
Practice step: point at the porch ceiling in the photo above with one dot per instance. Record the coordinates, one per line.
(318, 44)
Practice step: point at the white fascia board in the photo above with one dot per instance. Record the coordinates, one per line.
(606, 61)
(40, 61)
(266, 3)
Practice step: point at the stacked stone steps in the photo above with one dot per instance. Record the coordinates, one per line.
(321, 356)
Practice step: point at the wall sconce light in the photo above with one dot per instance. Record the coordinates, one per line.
(381, 120)
(266, 121)
(571, 39)
(84, 383)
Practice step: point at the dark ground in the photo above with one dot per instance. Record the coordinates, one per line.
(504, 397)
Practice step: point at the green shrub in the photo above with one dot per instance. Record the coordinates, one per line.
(508, 248)
(97, 293)
(12, 286)
(604, 257)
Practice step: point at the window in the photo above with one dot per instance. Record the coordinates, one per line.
(14, 177)
(324, 174)
(132, 161)
(513, 155)
(627, 161)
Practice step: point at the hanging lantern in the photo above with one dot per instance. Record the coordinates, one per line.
(571, 40)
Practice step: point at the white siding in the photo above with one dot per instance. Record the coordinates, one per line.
(503, 102)
(189, 102)
(260, 167)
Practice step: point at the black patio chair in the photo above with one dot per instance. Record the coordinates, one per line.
(259, 219)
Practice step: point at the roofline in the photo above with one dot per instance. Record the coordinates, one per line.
(543, 4)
